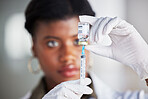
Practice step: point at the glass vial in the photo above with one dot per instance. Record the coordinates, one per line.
(83, 33)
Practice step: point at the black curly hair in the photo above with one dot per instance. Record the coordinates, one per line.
(49, 10)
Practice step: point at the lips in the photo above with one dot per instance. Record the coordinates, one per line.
(69, 70)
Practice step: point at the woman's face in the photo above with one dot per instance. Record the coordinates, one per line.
(56, 46)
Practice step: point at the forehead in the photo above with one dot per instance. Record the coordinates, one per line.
(68, 27)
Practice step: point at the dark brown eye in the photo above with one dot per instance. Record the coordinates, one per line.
(76, 42)
(53, 44)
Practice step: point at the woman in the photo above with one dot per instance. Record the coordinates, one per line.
(53, 25)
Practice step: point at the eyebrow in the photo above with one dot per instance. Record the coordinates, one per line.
(53, 37)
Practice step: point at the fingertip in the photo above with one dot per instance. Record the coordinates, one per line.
(88, 80)
(88, 91)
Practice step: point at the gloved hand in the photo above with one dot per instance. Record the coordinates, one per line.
(69, 90)
(127, 47)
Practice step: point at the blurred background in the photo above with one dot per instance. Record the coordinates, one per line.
(15, 44)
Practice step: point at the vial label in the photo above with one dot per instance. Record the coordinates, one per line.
(83, 32)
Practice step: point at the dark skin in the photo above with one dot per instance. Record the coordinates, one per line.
(55, 46)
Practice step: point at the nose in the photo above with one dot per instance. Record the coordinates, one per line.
(67, 53)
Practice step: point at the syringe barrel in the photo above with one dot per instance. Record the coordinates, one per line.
(82, 68)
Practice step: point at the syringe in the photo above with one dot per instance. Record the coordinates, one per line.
(82, 67)
(83, 35)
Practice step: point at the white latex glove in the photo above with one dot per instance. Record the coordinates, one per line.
(127, 47)
(69, 90)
